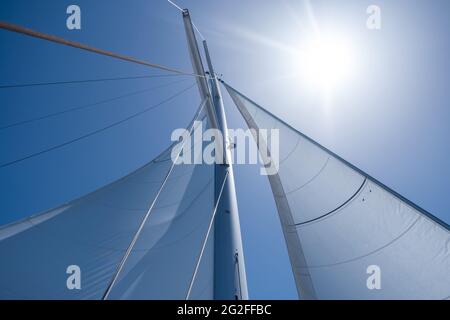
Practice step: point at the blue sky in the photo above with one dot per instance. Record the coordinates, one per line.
(391, 120)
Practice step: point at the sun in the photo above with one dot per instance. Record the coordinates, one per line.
(326, 62)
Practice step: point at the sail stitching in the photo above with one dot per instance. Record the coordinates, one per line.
(367, 254)
(411, 204)
(275, 182)
(112, 249)
(136, 236)
(309, 181)
(171, 204)
(292, 151)
(336, 209)
(191, 284)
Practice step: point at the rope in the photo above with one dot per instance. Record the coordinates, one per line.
(83, 81)
(175, 5)
(198, 31)
(32, 33)
(195, 27)
(87, 105)
(206, 237)
(144, 220)
(96, 131)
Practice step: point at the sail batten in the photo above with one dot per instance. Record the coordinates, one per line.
(331, 153)
(339, 223)
(95, 231)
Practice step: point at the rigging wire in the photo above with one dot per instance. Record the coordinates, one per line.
(96, 131)
(36, 34)
(194, 275)
(195, 27)
(198, 31)
(175, 5)
(54, 114)
(144, 220)
(8, 86)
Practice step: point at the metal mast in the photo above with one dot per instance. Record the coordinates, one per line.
(229, 269)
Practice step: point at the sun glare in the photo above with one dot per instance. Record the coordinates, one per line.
(326, 62)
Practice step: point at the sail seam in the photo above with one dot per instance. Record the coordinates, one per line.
(191, 284)
(425, 213)
(285, 219)
(338, 208)
(308, 182)
(113, 249)
(90, 194)
(171, 204)
(367, 254)
(136, 236)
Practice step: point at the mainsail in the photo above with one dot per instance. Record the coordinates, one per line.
(153, 234)
(95, 231)
(338, 222)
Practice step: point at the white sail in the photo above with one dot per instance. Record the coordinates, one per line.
(349, 236)
(95, 231)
